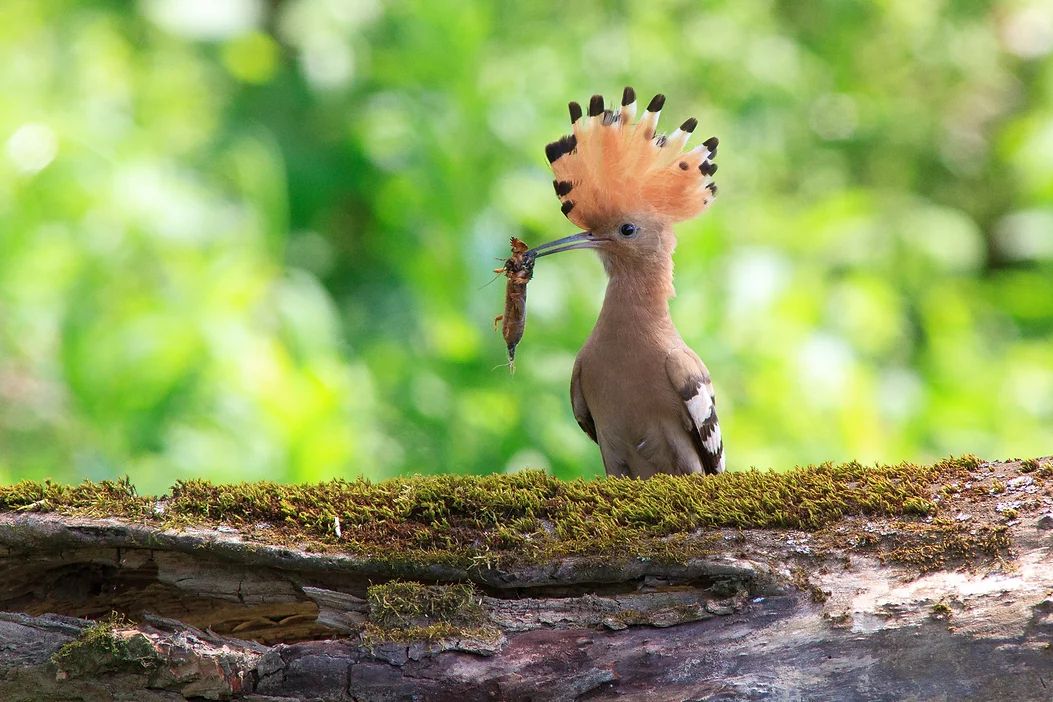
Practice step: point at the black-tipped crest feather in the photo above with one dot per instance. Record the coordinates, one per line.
(575, 112)
(656, 103)
(564, 146)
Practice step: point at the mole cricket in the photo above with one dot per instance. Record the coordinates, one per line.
(518, 269)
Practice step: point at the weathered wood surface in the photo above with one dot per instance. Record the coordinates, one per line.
(766, 615)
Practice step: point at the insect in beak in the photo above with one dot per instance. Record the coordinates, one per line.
(581, 240)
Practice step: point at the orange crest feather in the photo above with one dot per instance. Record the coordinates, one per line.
(610, 167)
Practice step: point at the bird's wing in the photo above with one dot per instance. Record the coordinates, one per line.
(690, 378)
(577, 401)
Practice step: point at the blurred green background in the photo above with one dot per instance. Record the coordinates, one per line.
(249, 239)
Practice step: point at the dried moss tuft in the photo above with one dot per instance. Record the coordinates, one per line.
(411, 612)
(400, 604)
(1030, 465)
(932, 546)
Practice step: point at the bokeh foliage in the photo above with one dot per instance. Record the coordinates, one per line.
(248, 239)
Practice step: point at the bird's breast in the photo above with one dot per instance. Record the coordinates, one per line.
(626, 387)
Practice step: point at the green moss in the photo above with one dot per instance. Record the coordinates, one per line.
(104, 498)
(473, 521)
(399, 604)
(918, 505)
(407, 612)
(966, 463)
(941, 610)
(101, 648)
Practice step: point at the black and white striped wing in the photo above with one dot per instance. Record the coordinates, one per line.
(691, 379)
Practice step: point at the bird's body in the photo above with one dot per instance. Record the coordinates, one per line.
(625, 394)
(637, 389)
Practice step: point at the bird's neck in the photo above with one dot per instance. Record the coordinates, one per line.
(639, 299)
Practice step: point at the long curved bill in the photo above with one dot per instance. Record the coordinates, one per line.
(581, 240)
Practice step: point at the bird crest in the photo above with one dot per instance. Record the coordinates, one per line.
(610, 166)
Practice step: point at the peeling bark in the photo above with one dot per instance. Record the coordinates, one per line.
(865, 609)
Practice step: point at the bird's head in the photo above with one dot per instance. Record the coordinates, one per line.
(625, 185)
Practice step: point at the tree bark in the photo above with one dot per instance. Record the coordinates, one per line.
(868, 609)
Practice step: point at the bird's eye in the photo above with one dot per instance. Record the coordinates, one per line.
(628, 229)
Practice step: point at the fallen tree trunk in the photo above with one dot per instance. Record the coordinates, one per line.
(938, 588)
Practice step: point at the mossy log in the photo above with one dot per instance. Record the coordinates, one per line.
(831, 582)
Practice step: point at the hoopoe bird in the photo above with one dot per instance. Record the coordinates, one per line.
(637, 390)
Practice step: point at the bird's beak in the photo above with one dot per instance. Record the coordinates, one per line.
(581, 240)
